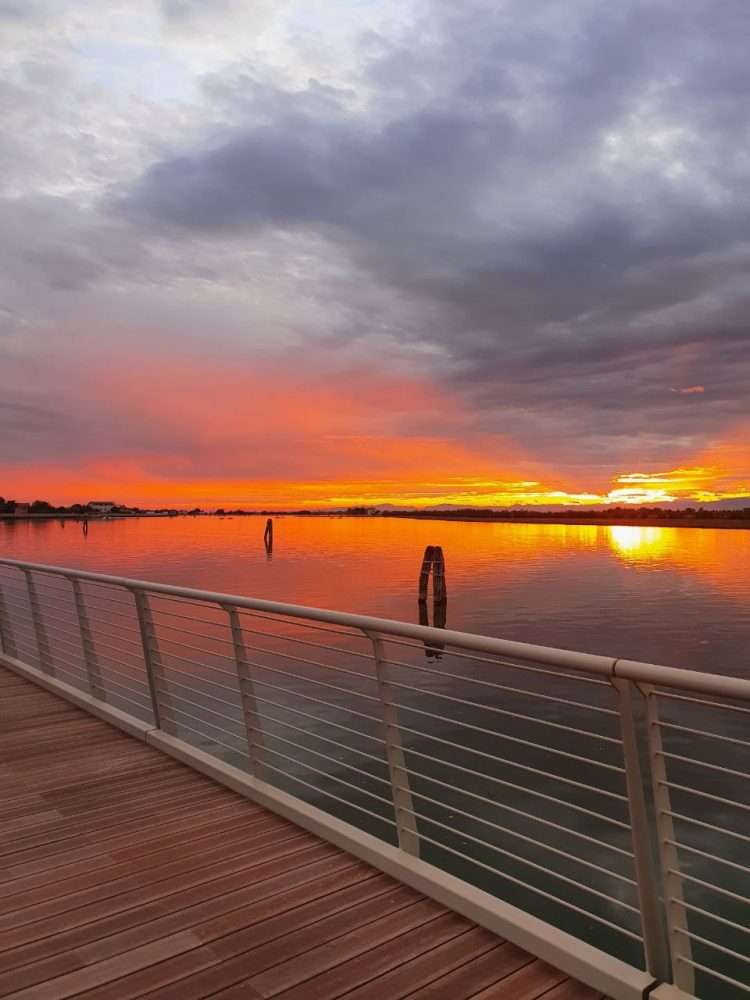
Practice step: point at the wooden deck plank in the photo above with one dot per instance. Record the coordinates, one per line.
(249, 832)
(156, 845)
(173, 830)
(307, 873)
(111, 818)
(271, 921)
(469, 979)
(128, 875)
(374, 962)
(230, 850)
(319, 924)
(198, 876)
(529, 982)
(426, 967)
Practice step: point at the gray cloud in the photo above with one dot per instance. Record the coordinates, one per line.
(563, 197)
(543, 204)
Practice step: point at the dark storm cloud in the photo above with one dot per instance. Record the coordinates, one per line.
(564, 189)
(557, 193)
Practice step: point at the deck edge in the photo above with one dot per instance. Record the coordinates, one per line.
(590, 965)
(107, 713)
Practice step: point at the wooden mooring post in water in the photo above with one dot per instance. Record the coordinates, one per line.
(433, 562)
(268, 535)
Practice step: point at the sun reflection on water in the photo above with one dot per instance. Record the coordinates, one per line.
(634, 542)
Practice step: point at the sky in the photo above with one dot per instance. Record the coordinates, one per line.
(288, 253)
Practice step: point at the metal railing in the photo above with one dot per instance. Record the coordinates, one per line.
(606, 797)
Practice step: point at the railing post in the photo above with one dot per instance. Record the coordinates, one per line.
(151, 652)
(87, 642)
(7, 642)
(253, 728)
(45, 655)
(652, 926)
(406, 821)
(674, 898)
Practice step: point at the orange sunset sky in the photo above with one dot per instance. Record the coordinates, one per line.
(413, 253)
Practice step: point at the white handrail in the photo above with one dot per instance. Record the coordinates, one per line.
(590, 663)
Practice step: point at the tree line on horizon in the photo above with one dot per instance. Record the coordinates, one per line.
(459, 513)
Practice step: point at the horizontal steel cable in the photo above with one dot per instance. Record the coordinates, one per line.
(317, 701)
(499, 661)
(197, 663)
(582, 886)
(209, 739)
(707, 913)
(704, 854)
(332, 777)
(297, 623)
(173, 710)
(203, 708)
(307, 642)
(105, 673)
(170, 669)
(313, 663)
(221, 623)
(532, 888)
(707, 826)
(323, 791)
(720, 705)
(516, 834)
(709, 885)
(507, 736)
(312, 680)
(713, 972)
(701, 763)
(701, 732)
(195, 649)
(315, 718)
(201, 694)
(519, 812)
(513, 763)
(503, 711)
(193, 634)
(316, 736)
(705, 795)
(105, 649)
(324, 756)
(502, 687)
(711, 944)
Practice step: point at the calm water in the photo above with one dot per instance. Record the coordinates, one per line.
(668, 595)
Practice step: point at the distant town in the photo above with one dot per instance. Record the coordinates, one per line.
(723, 517)
(94, 508)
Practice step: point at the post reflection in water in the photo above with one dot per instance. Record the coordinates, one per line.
(434, 650)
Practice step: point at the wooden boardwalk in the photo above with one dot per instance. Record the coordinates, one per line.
(125, 874)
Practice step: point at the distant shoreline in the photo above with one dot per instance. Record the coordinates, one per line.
(732, 523)
(635, 522)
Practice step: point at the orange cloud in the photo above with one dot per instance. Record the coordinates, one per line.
(174, 431)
